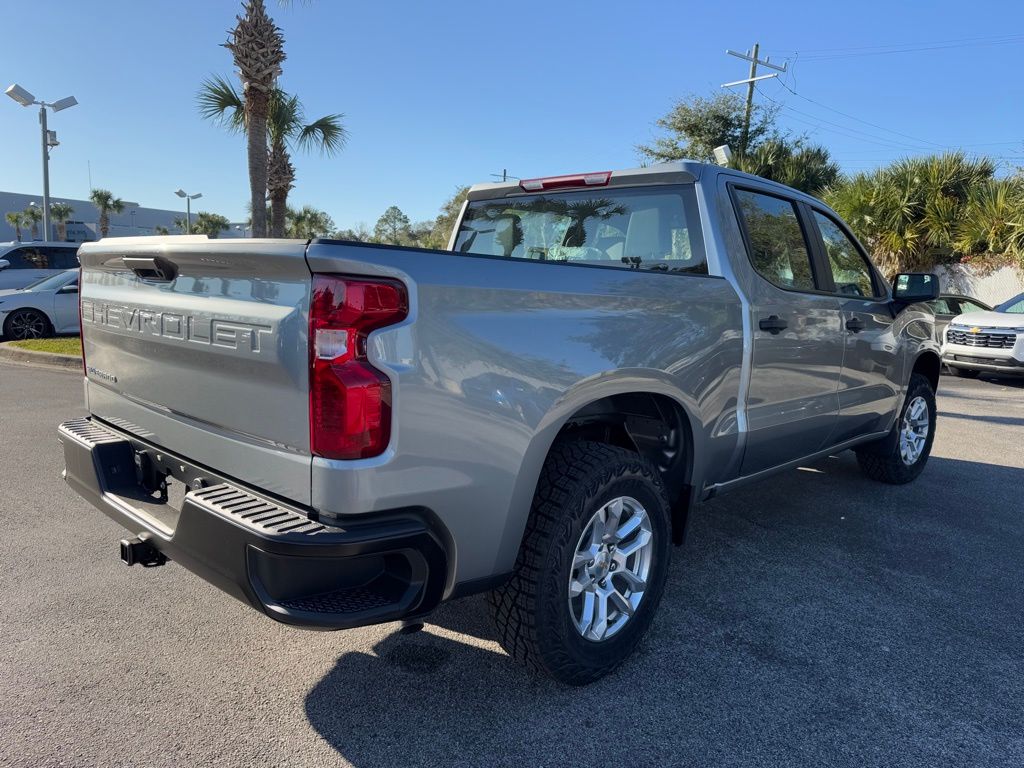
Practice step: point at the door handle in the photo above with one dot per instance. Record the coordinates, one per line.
(154, 268)
(855, 324)
(773, 324)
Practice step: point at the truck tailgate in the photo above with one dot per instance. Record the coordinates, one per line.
(200, 346)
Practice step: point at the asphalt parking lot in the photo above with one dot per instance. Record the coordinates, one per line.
(815, 619)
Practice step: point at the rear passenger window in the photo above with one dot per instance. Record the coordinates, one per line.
(778, 250)
(27, 258)
(63, 258)
(850, 270)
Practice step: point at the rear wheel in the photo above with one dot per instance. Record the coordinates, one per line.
(964, 373)
(592, 566)
(27, 324)
(900, 456)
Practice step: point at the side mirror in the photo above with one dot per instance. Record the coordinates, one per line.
(68, 289)
(4, 264)
(914, 287)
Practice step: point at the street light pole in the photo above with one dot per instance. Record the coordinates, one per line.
(46, 173)
(26, 99)
(188, 207)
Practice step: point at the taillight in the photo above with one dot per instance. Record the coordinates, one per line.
(81, 328)
(349, 399)
(599, 179)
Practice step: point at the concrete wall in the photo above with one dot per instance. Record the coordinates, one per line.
(993, 288)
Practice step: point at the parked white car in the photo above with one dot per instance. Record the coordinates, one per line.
(22, 264)
(45, 307)
(992, 342)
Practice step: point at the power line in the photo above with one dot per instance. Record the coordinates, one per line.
(859, 120)
(825, 54)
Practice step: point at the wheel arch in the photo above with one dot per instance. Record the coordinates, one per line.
(928, 364)
(627, 412)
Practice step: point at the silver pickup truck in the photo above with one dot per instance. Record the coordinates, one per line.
(342, 434)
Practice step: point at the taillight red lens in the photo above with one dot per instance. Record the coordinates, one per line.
(81, 327)
(349, 399)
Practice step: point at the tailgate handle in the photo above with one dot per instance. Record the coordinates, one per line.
(153, 268)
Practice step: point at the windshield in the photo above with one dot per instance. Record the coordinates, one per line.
(1014, 306)
(652, 228)
(48, 283)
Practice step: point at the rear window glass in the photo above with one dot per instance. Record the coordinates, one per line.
(650, 229)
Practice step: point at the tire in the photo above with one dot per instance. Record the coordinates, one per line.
(891, 460)
(964, 373)
(25, 324)
(538, 621)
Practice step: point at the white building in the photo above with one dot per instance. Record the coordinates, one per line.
(84, 222)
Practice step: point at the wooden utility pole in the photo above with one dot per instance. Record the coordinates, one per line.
(753, 78)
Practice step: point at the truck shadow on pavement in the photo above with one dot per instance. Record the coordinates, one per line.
(817, 618)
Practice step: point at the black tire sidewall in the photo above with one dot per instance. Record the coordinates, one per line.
(47, 326)
(556, 631)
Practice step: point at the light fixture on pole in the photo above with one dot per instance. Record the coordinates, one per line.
(26, 99)
(188, 207)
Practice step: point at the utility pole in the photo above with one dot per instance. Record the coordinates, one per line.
(750, 56)
(504, 176)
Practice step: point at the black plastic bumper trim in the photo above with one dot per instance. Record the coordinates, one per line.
(261, 550)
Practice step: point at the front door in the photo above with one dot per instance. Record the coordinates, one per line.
(869, 388)
(798, 337)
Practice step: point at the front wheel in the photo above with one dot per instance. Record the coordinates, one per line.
(25, 324)
(900, 456)
(592, 566)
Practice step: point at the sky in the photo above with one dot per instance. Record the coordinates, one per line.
(446, 93)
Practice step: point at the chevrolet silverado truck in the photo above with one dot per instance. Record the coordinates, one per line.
(342, 433)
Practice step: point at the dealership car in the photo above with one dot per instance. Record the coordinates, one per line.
(46, 307)
(948, 306)
(22, 264)
(992, 342)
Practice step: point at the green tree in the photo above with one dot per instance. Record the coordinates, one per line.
(697, 124)
(792, 162)
(309, 222)
(60, 213)
(360, 233)
(210, 224)
(446, 220)
(33, 215)
(106, 204)
(257, 46)
(17, 220)
(921, 211)
(287, 130)
(161, 230)
(392, 227)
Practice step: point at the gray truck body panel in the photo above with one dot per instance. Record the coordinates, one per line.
(495, 357)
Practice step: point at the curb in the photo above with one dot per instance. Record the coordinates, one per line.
(48, 359)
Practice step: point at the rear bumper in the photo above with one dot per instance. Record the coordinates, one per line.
(257, 549)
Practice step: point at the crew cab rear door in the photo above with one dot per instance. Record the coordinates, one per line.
(200, 347)
(792, 403)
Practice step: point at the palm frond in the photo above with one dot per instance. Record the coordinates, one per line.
(327, 134)
(219, 102)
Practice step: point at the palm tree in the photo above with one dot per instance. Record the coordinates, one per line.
(17, 220)
(287, 129)
(33, 216)
(159, 229)
(106, 204)
(913, 213)
(257, 45)
(209, 224)
(60, 213)
(309, 222)
(794, 163)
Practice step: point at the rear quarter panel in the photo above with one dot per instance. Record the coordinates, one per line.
(497, 354)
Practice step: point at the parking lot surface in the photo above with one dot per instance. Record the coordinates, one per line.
(817, 618)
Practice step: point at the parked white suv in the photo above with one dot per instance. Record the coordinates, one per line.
(976, 342)
(24, 263)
